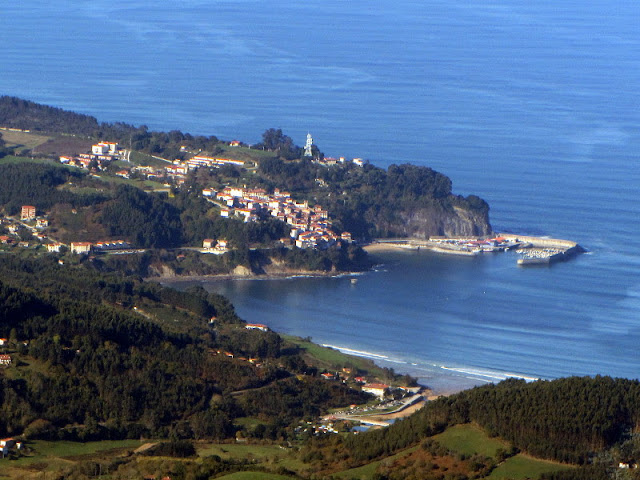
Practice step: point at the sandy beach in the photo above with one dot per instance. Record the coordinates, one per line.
(376, 247)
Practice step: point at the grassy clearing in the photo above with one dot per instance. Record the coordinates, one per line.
(147, 160)
(522, 466)
(174, 319)
(248, 422)
(45, 452)
(332, 359)
(24, 366)
(273, 455)
(142, 184)
(244, 153)
(469, 439)
(23, 139)
(367, 471)
(240, 451)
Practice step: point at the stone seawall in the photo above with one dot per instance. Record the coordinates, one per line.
(543, 242)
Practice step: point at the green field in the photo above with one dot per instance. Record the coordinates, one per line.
(366, 471)
(332, 359)
(469, 439)
(241, 451)
(23, 139)
(522, 466)
(147, 160)
(143, 184)
(273, 455)
(44, 452)
(244, 153)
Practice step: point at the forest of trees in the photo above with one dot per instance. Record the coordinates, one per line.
(569, 420)
(36, 184)
(88, 365)
(145, 219)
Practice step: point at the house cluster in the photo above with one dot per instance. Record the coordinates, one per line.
(54, 246)
(28, 220)
(380, 390)
(310, 226)
(179, 170)
(210, 245)
(28, 214)
(82, 248)
(377, 389)
(102, 153)
(330, 161)
(256, 326)
(253, 361)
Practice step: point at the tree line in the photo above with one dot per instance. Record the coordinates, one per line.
(569, 420)
(90, 366)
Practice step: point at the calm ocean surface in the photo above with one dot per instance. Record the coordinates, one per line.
(533, 106)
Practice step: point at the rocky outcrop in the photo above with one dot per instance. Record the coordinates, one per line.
(241, 271)
(454, 221)
(161, 270)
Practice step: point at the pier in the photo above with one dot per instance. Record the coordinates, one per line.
(544, 251)
(533, 250)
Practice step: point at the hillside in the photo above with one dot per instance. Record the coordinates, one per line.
(81, 207)
(588, 422)
(367, 201)
(402, 201)
(99, 356)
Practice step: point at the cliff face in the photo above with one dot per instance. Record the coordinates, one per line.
(438, 221)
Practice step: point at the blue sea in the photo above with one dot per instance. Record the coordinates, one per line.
(534, 106)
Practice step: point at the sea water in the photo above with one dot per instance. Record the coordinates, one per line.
(532, 106)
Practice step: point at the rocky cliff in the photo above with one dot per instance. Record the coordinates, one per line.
(452, 217)
(457, 221)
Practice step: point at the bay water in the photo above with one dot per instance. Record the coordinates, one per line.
(535, 107)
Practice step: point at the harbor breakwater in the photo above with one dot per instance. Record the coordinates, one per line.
(543, 251)
(534, 250)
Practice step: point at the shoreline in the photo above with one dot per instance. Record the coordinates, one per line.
(378, 245)
(176, 279)
(439, 379)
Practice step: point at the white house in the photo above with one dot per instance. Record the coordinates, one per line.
(377, 389)
(256, 326)
(80, 247)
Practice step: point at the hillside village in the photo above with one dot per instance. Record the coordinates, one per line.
(310, 227)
